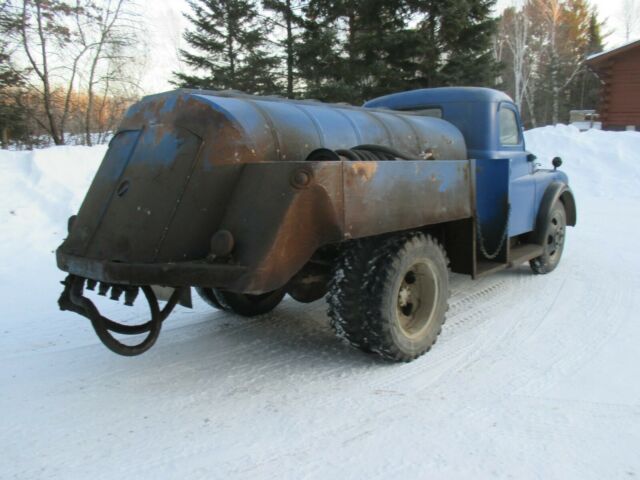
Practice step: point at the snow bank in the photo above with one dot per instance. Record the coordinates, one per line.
(40, 190)
(599, 163)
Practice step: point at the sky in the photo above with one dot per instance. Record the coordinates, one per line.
(165, 24)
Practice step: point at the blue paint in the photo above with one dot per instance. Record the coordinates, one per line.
(157, 147)
(169, 103)
(492, 192)
(476, 113)
(448, 178)
(120, 150)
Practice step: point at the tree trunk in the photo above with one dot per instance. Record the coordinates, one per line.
(288, 20)
(555, 89)
(57, 136)
(5, 136)
(351, 46)
(90, 96)
(231, 54)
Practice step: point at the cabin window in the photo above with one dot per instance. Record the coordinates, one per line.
(509, 131)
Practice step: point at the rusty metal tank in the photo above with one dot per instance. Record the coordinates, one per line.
(174, 170)
(246, 128)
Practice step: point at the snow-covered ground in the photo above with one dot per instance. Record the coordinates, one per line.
(533, 376)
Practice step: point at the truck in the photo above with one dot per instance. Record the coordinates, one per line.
(250, 198)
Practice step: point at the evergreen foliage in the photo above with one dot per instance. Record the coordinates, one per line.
(342, 50)
(228, 41)
(12, 116)
(456, 42)
(288, 20)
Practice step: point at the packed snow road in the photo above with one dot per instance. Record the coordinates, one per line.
(532, 377)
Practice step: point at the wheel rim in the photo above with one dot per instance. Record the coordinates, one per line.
(555, 235)
(417, 298)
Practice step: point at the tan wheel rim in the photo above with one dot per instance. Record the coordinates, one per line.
(416, 298)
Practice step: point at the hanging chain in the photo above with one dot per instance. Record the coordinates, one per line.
(505, 232)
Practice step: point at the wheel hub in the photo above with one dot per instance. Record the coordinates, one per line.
(555, 239)
(416, 298)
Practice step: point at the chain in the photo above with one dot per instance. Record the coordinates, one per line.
(483, 249)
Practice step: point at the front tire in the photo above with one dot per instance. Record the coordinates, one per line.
(403, 299)
(553, 241)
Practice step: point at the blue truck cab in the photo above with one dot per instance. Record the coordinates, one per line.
(513, 195)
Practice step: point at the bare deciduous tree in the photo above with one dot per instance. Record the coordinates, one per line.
(630, 17)
(514, 35)
(73, 46)
(113, 33)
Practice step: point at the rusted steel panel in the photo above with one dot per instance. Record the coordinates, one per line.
(278, 224)
(382, 197)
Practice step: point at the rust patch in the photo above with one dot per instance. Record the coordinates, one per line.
(364, 169)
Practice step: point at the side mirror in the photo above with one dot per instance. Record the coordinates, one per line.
(531, 157)
(556, 162)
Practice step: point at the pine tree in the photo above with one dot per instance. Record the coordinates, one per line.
(353, 50)
(456, 42)
(288, 19)
(228, 40)
(12, 116)
(324, 57)
(385, 47)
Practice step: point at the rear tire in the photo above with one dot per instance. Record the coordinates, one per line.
(209, 297)
(396, 308)
(553, 241)
(243, 304)
(346, 307)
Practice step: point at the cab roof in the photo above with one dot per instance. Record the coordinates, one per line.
(425, 97)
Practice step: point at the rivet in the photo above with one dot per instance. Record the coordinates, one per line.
(301, 178)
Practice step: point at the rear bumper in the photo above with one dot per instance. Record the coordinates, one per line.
(173, 274)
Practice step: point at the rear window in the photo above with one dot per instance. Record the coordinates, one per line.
(509, 132)
(425, 112)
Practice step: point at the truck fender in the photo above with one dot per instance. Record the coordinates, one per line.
(554, 192)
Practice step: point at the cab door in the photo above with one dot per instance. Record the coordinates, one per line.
(521, 182)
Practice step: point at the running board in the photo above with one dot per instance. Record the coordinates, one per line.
(517, 256)
(524, 253)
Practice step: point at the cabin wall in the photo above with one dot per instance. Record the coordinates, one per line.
(620, 94)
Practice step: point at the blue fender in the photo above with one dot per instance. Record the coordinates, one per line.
(556, 191)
